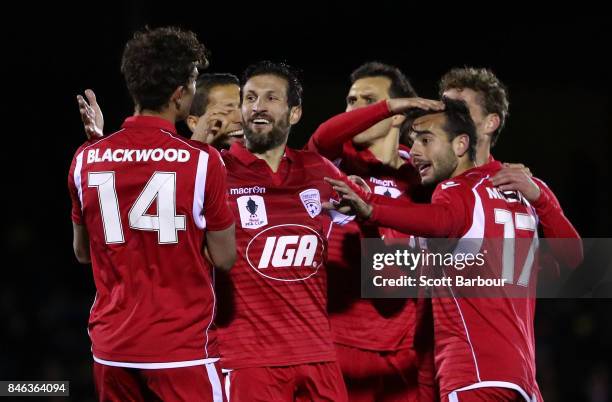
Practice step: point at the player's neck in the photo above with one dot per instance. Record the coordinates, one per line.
(386, 149)
(483, 150)
(166, 114)
(272, 156)
(463, 165)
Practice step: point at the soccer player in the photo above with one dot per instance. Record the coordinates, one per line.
(274, 332)
(145, 202)
(484, 348)
(215, 113)
(373, 337)
(487, 100)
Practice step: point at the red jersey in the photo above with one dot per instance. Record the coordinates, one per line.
(372, 324)
(146, 197)
(275, 313)
(480, 342)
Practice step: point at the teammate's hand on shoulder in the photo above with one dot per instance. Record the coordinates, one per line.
(519, 166)
(516, 179)
(91, 115)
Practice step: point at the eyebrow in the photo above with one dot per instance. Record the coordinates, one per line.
(421, 132)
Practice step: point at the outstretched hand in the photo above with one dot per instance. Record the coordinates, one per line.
(350, 203)
(91, 115)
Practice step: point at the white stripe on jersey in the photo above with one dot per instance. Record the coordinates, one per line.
(471, 242)
(214, 308)
(228, 385)
(198, 195)
(215, 382)
(454, 397)
(153, 366)
(77, 177)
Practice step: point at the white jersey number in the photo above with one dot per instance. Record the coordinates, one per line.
(160, 188)
(522, 222)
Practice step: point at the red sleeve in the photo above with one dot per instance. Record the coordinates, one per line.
(332, 134)
(216, 206)
(556, 225)
(76, 211)
(444, 217)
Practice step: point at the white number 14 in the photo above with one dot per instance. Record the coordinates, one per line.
(161, 188)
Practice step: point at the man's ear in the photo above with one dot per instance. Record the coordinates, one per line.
(177, 95)
(461, 144)
(491, 123)
(295, 114)
(192, 122)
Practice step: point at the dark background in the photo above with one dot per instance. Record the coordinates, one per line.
(555, 66)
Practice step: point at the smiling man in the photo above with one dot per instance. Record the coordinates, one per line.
(215, 116)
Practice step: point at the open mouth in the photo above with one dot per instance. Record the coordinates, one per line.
(236, 133)
(423, 167)
(260, 122)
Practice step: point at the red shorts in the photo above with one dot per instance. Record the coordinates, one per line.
(379, 376)
(487, 394)
(195, 383)
(302, 382)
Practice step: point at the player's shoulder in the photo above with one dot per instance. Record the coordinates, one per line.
(95, 142)
(541, 183)
(308, 158)
(461, 184)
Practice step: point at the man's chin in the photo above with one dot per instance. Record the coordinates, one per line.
(427, 180)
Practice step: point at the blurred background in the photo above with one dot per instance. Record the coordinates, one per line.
(556, 68)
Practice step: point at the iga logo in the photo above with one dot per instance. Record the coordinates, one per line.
(286, 252)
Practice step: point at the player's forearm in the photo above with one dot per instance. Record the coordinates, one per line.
(80, 243)
(555, 225)
(426, 220)
(332, 134)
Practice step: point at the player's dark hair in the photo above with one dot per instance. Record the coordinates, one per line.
(400, 84)
(157, 61)
(205, 83)
(282, 70)
(492, 93)
(458, 122)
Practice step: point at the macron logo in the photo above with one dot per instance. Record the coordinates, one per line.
(449, 184)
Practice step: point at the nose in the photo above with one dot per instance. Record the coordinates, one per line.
(258, 105)
(416, 150)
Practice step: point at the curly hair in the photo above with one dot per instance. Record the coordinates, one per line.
(282, 70)
(493, 94)
(157, 61)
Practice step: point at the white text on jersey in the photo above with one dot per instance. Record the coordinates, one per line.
(247, 190)
(138, 155)
(282, 256)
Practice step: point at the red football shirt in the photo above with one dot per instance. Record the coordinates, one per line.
(146, 197)
(372, 324)
(275, 312)
(479, 342)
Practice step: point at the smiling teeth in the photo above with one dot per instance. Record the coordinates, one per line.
(236, 133)
(261, 121)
